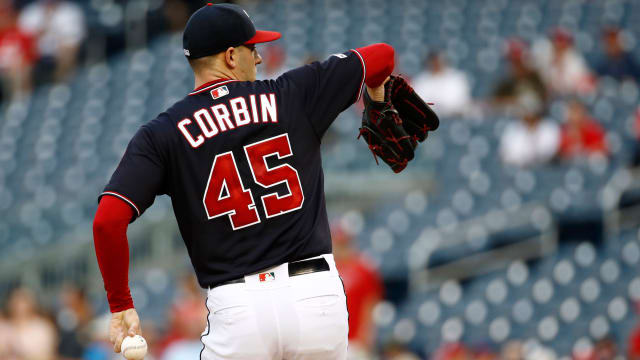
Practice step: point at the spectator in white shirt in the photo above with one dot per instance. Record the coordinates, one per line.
(532, 140)
(446, 87)
(563, 69)
(60, 28)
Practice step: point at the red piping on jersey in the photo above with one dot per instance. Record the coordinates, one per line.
(113, 193)
(364, 73)
(210, 84)
(112, 250)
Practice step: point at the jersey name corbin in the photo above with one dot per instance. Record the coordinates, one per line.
(206, 123)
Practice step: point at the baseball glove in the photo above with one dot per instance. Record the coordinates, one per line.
(393, 127)
(417, 117)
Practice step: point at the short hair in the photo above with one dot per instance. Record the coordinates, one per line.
(204, 61)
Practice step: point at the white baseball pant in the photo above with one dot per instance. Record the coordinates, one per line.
(274, 316)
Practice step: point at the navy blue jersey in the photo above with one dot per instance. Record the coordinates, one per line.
(241, 163)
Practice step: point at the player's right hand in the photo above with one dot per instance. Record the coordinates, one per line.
(377, 93)
(124, 323)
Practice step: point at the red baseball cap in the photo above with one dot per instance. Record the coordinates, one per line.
(262, 36)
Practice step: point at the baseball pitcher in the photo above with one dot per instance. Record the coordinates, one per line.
(240, 160)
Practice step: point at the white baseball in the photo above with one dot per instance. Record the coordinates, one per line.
(134, 347)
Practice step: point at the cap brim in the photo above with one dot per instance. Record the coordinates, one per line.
(262, 36)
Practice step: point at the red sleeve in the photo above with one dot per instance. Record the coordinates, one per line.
(112, 250)
(379, 62)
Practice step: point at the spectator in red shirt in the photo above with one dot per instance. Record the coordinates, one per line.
(363, 287)
(634, 340)
(187, 318)
(581, 134)
(453, 351)
(17, 54)
(634, 345)
(605, 349)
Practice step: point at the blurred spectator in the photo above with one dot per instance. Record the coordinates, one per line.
(633, 352)
(363, 287)
(513, 350)
(453, 351)
(636, 152)
(563, 69)
(59, 26)
(605, 349)
(6, 344)
(396, 351)
(581, 135)
(29, 327)
(538, 352)
(187, 320)
(446, 87)
(183, 349)
(17, 54)
(484, 353)
(530, 141)
(176, 13)
(152, 335)
(617, 62)
(73, 319)
(273, 61)
(522, 81)
(99, 347)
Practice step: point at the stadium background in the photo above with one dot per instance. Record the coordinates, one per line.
(478, 258)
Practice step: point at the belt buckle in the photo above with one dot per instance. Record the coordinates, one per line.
(266, 277)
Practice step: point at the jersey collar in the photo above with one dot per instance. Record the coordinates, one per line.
(209, 85)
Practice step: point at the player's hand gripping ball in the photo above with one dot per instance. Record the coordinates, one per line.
(134, 347)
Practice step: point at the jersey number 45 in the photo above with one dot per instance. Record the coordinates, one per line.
(226, 195)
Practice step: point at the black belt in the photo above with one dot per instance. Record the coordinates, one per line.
(295, 268)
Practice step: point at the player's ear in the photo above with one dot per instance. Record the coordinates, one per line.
(230, 57)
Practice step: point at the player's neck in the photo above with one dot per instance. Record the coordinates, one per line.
(211, 75)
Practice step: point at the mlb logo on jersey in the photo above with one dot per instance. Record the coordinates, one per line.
(219, 92)
(270, 276)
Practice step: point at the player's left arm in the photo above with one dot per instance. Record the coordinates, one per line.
(324, 89)
(379, 61)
